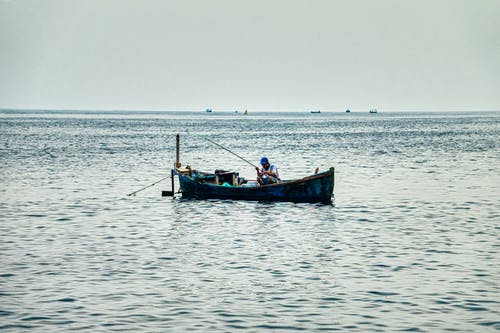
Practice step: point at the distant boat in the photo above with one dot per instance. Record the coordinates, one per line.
(374, 110)
(208, 110)
(246, 112)
(316, 111)
(347, 110)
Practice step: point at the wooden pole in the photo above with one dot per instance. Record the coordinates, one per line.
(169, 193)
(177, 165)
(177, 152)
(173, 185)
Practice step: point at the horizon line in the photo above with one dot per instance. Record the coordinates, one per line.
(2, 109)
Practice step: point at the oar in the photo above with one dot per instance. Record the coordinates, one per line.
(133, 193)
(215, 143)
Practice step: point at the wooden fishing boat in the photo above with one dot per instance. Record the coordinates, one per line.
(228, 185)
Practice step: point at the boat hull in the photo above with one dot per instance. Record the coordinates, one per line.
(315, 188)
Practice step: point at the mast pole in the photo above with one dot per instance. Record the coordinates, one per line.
(177, 152)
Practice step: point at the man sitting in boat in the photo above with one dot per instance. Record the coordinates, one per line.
(268, 174)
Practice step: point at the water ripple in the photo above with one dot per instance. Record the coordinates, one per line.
(410, 246)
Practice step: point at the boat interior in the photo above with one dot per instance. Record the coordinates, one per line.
(218, 177)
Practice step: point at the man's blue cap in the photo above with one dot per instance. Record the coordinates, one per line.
(264, 160)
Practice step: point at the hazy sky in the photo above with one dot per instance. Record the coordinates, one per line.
(283, 55)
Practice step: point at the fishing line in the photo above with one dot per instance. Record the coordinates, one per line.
(220, 146)
(133, 193)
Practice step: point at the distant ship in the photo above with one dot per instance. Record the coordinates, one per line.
(374, 110)
(316, 111)
(208, 110)
(246, 112)
(347, 110)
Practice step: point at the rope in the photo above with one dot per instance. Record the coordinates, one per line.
(133, 193)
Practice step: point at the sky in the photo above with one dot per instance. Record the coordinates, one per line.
(260, 55)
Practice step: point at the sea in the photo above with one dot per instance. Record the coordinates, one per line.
(410, 242)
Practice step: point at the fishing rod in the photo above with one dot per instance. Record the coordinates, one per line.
(220, 146)
(133, 193)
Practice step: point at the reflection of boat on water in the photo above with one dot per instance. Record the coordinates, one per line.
(374, 110)
(316, 111)
(347, 111)
(208, 110)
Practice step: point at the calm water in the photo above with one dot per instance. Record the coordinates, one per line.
(411, 244)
